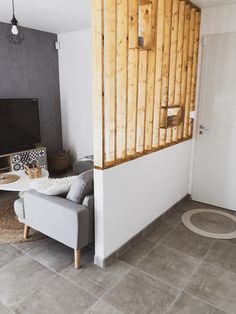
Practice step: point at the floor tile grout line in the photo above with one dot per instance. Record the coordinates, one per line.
(203, 300)
(93, 306)
(9, 262)
(145, 237)
(160, 243)
(221, 268)
(7, 307)
(172, 304)
(193, 274)
(173, 229)
(34, 291)
(116, 283)
(34, 241)
(168, 232)
(186, 283)
(157, 278)
(217, 240)
(40, 262)
(155, 245)
(227, 241)
(145, 255)
(198, 260)
(203, 258)
(58, 273)
(77, 285)
(210, 247)
(154, 277)
(181, 252)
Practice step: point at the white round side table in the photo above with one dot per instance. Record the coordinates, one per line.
(24, 183)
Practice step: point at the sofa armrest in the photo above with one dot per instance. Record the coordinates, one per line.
(58, 218)
(89, 203)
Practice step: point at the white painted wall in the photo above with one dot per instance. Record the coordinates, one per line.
(214, 20)
(219, 20)
(132, 195)
(75, 67)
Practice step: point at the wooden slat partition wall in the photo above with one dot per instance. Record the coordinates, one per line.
(136, 87)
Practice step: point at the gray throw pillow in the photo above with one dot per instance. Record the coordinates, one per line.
(81, 187)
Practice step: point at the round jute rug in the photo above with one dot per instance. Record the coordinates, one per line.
(11, 230)
(211, 223)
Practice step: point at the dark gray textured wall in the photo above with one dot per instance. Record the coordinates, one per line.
(31, 71)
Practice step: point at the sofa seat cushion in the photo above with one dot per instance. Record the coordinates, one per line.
(81, 187)
(19, 208)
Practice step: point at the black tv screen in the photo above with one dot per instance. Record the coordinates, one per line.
(19, 124)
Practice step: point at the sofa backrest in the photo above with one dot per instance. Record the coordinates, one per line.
(82, 165)
(81, 187)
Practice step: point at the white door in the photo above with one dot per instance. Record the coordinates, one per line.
(214, 173)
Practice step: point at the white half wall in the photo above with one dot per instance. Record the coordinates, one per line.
(132, 195)
(75, 68)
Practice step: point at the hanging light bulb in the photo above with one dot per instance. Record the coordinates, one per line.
(14, 33)
(14, 30)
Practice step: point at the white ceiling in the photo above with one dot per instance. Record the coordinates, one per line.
(61, 16)
(55, 16)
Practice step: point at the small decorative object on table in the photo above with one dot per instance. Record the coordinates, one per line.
(59, 164)
(8, 178)
(33, 171)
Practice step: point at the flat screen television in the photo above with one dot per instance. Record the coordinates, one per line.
(19, 124)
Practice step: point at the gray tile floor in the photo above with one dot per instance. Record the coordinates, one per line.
(171, 271)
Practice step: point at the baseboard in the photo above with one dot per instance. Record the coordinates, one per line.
(106, 262)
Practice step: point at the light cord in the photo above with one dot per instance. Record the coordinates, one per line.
(13, 7)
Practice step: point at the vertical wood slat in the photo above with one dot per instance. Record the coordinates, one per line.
(179, 62)
(158, 74)
(122, 73)
(173, 51)
(166, 63)
(173, 61)
(98, 81)
(189, 71)
(110, 79)
(141, 107)
(133, 23)
(151, 82)
(145, 23)
(184, 67)
(195, 68)
(133, 60)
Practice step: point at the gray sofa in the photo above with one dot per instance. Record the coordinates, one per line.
(68, 220)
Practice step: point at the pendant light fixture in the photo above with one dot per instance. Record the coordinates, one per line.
(14, 33)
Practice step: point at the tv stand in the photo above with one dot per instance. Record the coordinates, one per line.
(16, 161)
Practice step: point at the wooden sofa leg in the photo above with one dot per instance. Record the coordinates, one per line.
(77, 258)
(26, 231)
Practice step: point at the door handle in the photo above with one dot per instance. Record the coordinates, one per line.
(202, 127)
